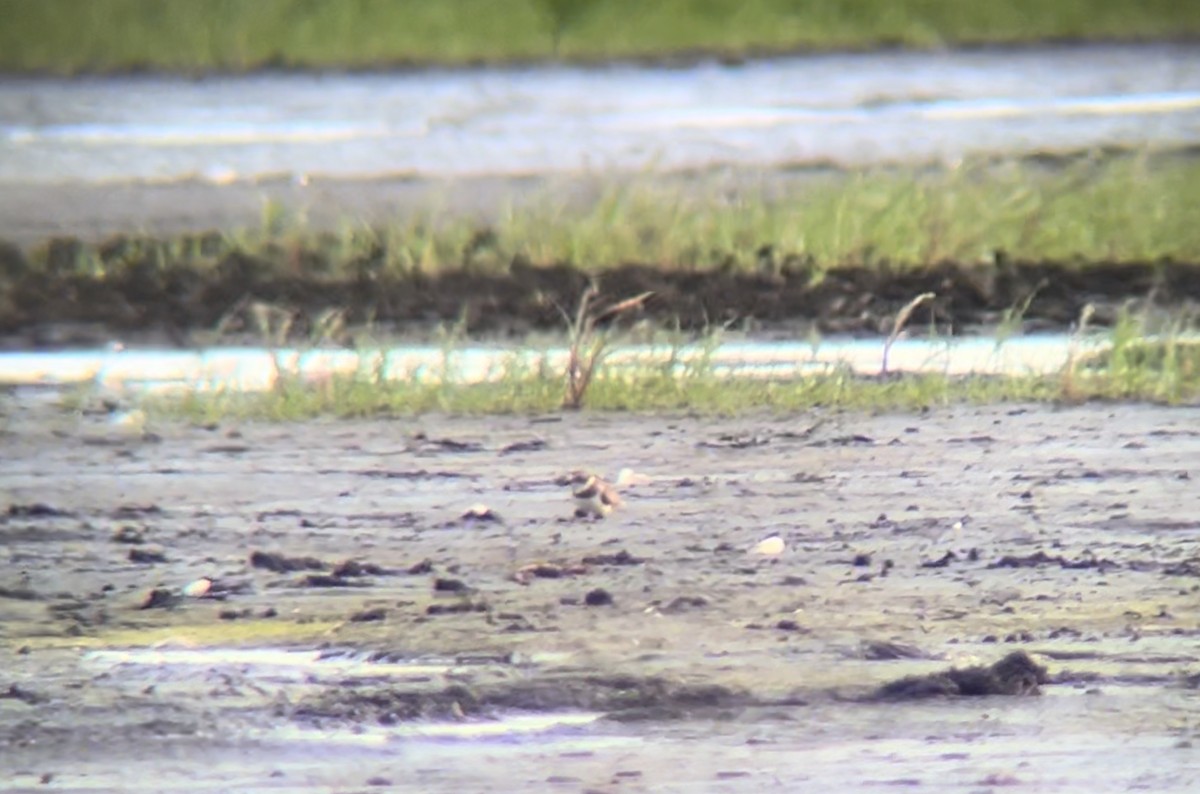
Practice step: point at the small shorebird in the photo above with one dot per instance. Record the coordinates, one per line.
(593, 497)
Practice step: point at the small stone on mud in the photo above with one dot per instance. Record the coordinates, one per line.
(461, 607)
(147, 556)
(880, 650)
(159, 598)
(793, 581)
(995, 779)
(861, 560)
(379, 781)
(356, 568)
(622, 557)
(424, 566)
(129, 534)
(684, 604)
(532, 445)
(788, 625)
(36, 510)
(449, 586)
(234, 614)
(369, 615)
(480, 512)
(136, 511)
(326, 580)
(278, 563)
(546, 570)
(598, 598)
(426, 445)
(940, 562)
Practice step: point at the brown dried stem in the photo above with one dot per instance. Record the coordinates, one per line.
(588, 347)
(902, 318)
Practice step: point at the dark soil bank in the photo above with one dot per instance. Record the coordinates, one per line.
(131, 290)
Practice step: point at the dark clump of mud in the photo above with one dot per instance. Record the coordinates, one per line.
(1015, 674)
(1040, 558)
(279, 563)
(130, 290)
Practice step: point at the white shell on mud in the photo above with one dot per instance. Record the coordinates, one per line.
(198, 588)
(769, 547)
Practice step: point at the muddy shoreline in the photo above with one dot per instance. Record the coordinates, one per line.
(1067, 533)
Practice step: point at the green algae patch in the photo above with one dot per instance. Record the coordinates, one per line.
(244, 632)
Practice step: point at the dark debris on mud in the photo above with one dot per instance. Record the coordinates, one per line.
(1015, 674)
(36, 510)
(622, 697)
(277, 562)
(1040, 558)
(133, 292)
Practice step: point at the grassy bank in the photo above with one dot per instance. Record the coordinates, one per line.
(838, 253)
(71, 36)
(1124, 209)
(1134, 367)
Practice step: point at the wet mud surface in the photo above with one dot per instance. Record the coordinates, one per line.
(422, 582)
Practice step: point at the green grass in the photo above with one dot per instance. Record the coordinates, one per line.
(71, 36)
(638, 392)
(1131, 208)
(1163, 368)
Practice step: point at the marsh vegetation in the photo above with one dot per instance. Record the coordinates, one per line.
(73, 36)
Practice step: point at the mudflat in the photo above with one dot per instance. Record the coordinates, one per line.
(360, 633)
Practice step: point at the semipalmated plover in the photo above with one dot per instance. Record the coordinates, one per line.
(593, 497)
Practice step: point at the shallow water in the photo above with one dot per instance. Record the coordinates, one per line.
(257, 369)
(843, 109)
